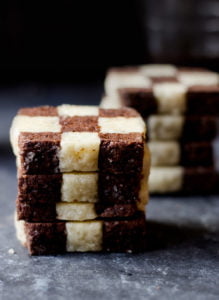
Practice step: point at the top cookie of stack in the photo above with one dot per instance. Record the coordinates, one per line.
(67, 138)
(163, 89)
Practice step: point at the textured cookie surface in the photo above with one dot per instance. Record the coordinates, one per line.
(185, 180)
(179, 127)
(59, 237)
(81, 187)
(163, 89)
(78, 138)
(170, 153)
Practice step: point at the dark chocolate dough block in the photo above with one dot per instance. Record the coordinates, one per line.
(203, 100)
(120, 153)
(45, 238)
(141, 99)
(200, 181)
(37, 212)
(119, 188)
(118, 236)
(198, 128)
(197, 154)
(40, 188)
(39, 152)
(43, 111)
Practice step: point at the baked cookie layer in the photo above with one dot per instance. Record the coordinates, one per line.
(185, 180)
(81, 187)
(190, 154)
(78, 138)
(154, 89)
(102, 235)
(183, 128)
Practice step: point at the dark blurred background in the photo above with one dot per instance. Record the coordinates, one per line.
(77, 40)
(68, 40)
(58, 51)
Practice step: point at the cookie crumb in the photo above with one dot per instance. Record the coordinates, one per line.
(11, 251)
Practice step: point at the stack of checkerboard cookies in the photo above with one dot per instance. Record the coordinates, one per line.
(82, 179)
(180, 106)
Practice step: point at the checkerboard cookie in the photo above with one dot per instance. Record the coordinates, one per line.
(100, 235)
(69, 138)
(181, 127)
(185, 180)
(163, 89)
(172, 153)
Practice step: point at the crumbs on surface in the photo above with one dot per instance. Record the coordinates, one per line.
(11, 251)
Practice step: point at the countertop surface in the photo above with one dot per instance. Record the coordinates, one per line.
(182, 262)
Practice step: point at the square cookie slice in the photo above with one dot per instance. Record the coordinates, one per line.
(163, 89)
(83, 139)
(108, 236)
(183, 180)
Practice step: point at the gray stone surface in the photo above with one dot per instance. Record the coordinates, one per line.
(182, 262)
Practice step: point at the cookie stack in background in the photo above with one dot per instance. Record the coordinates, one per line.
(180, 107)
(82, 179)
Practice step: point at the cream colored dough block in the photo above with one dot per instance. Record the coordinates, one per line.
(84, 236)
(112, 101)
(198, 78)
(122, 125)
(158, 70)
(79, 151)
(144, 192)
(118, 80)
(75, 211)
(20, 230)
(31, 124)
(80, 187)
(18, 162)
(146, 161)
(77, 110)
(171, 97)
(166, 179)
(161, 127)
(164, 153)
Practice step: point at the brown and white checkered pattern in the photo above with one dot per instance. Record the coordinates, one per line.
(167, 84)
(97, 235)
(147, 76)
(77, 134)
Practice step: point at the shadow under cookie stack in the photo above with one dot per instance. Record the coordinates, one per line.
(180, 107)
(82, 179)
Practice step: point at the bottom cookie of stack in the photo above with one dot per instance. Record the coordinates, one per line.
(121, 235)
